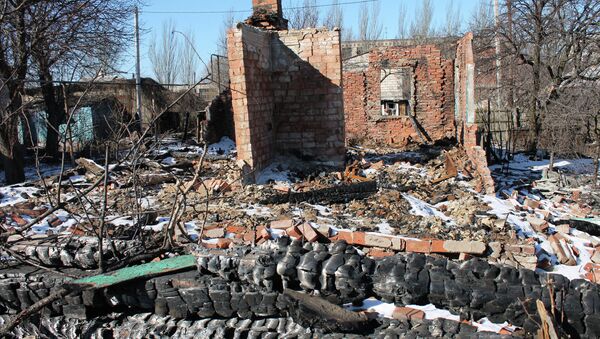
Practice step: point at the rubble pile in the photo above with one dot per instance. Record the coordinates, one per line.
(407, 232)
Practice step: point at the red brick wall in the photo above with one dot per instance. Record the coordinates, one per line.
(249, 71)
(355, 104)
(432, 101)
(287, 97)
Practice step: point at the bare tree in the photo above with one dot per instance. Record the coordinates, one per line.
(74, 38)
(482, 18)
(188, 60)
(557, 44)
(15, 49)
(163, 53)
(402, 27)
(421, 26)
(335, 16)
(453, 19)
(303, 15)
(226, 25)
(348, 33)
(369, 23)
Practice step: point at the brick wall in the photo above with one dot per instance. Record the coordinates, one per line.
(309, 119)
(431, 101)
(287, 97)
(467, 129)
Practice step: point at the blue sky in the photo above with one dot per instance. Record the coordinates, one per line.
(206, 27)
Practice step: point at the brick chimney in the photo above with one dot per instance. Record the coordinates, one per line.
(267, 14)
(270, 6)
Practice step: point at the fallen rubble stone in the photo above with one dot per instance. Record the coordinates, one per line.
(562, 250)
(336, 194)
(407, 313)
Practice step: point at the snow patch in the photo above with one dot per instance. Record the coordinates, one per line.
(274, 173)
(421, 208)
(225, 146)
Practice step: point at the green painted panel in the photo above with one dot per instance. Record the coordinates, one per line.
(134, 272)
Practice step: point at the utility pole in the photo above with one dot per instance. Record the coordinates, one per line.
(497, 41)
(138, 79)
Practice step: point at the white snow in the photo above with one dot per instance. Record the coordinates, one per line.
(386, 310)
(275, 172)
(421, 208)
(522, 163)
(225, 146)
(257, 210)
(15, 194)
(168, 161)
(384, 228)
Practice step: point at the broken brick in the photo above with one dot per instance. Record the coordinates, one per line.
(562, 251)
(377, 165)
(398, 244)
(293, 232)
(220, 243)
(263, 233)
(344, 235)
(563, 228)
(324, 230)
(358, 238)
(533, 204)
(596, 256)
(540, 225)
(54, 221)
(402, 313)
(235, 229)
(308, 232)
(214, 233)
(464, 256)
(418, 246)
(473, 247)
(17, 218)
(282, 224)
(377, 240)
(282, 188)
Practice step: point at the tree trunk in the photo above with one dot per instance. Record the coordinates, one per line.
(14, 168)
(11, 151)
(551, 165)
(534, 112)
(596, 165)
(54, 110)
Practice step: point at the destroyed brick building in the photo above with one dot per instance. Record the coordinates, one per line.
(408, 237)
(404, 94)
(286, 89)
(290, 96)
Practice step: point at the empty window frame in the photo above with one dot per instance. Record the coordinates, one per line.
(394, 108)
(395, 91)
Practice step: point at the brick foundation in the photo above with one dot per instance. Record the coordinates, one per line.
(287, 96)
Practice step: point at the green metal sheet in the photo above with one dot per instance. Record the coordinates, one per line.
(130, 273)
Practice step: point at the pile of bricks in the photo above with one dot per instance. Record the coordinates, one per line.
(18, 214)
(378, 245)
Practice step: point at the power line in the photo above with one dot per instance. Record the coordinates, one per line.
(249, 11)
